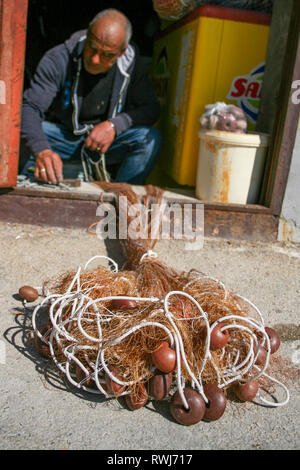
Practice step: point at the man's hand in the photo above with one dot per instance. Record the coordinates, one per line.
(101, 137)
(48, 167)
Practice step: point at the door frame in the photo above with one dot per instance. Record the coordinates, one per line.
(254, 222)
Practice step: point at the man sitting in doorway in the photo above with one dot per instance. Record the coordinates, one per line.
(97, 96)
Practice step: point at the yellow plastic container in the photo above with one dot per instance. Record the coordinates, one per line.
(230, 166)
(214, 54)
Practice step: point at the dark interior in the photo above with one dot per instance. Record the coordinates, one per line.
(50, 22)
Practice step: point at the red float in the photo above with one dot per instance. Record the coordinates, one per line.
(113, 386)
(28, 293)
(274, 339)
(124, 304)
(164, 357)
(217, 402)
(159, 385)
(246, 391)
(218, 338)
(137, 400)
(196, 407)
(261, 356)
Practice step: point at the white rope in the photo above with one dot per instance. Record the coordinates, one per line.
(274, 404)
(103, 257)
(179, 339)
(148, 254)
(241, 327)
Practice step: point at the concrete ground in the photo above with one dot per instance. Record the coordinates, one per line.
(39, 410)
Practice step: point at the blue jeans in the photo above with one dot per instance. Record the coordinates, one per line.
(133, 152)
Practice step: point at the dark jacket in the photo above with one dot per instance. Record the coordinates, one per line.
(55, 84)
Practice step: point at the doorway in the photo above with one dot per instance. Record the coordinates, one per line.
(51, 22)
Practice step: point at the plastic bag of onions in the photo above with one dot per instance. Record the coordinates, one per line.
(224, 117)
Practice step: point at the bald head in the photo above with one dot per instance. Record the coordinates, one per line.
(107, 39)
(113, 22)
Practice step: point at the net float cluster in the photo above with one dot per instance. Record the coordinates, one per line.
(75, 339)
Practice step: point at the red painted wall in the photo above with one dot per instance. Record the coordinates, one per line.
(13, 20)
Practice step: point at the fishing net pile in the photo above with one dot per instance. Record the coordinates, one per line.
(148, 331)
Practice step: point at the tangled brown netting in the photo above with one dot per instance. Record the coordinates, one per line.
(106, 324)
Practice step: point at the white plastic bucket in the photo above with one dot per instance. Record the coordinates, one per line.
(230, 166)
